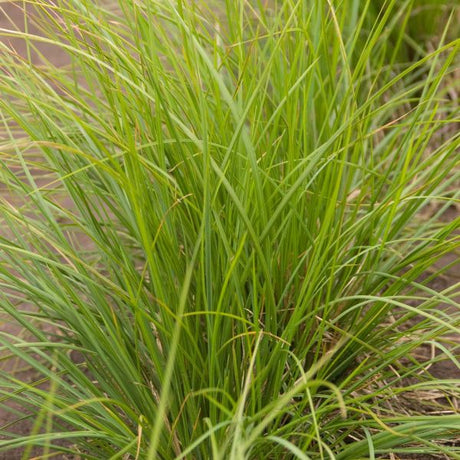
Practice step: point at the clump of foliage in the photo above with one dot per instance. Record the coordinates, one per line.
(215, 231)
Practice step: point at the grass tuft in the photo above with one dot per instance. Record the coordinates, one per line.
(217, 233)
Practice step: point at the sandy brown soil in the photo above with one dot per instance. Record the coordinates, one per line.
(12, 17)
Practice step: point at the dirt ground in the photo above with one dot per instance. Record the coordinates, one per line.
(10, 13)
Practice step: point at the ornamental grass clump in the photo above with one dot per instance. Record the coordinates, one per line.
(215, 234)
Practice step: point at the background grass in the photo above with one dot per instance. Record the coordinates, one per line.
(218, 214)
